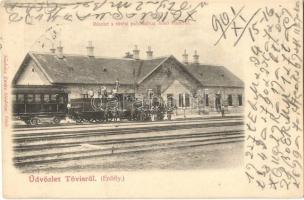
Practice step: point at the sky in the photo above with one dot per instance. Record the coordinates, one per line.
(114, 41)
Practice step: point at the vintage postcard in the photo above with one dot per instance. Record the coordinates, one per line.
(152, 98)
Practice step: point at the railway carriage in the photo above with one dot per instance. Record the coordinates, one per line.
(31, 104)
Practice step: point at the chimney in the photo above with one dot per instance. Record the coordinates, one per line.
(185, 57)
(128, 55)
(195, 58)
(149, 53)
(59, 50)
(136, 53)
(52, 49)
(90, 49)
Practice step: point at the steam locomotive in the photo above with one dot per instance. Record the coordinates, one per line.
(32, 105)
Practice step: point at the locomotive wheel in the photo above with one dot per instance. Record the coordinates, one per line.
(96, 120)
(28, 121)
(56, 120)
(34, 121)
(72, 117)
(99, 120)
(31, 122)
(78, 120)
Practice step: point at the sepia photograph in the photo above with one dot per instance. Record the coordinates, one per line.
(136, 112)
(152, 99)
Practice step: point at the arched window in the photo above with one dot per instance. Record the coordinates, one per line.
(229, 100)
(240, 100)
(207, 99)
(187, 100)
(184, 100)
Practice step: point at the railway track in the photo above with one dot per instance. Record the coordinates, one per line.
(38, 149)
(107, 148)
(77, 125)
(40, 136)
(107, 141)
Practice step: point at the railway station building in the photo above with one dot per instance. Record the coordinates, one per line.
(191, 86)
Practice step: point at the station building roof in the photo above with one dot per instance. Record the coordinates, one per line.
(82, 69)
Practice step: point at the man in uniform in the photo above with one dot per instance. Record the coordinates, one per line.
(223, 110)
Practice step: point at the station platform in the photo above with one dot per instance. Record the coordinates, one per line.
(179, 117)
(206, 116)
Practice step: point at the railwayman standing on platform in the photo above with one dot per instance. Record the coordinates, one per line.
(69, 107)
(115, 113)
(106, 114)
(223, 110)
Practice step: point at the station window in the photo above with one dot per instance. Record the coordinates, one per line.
(207, 100)
(30, 98)
(240, 100)
(229, 100)
(170, 99)
(20, 98)
(187, 100)
(184, 100)
(180, 100)
(37, 98)
(46, 98)
(61, 99)
(53, 97)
